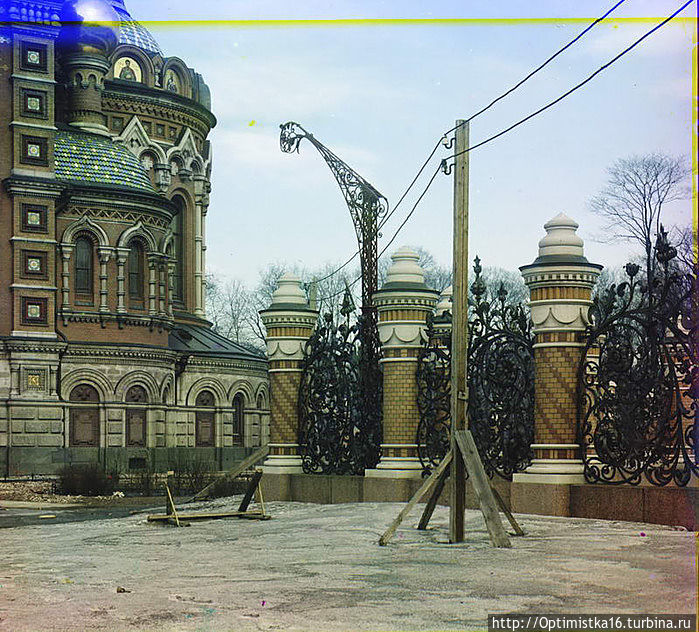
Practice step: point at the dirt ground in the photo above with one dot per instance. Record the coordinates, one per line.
(319, 567)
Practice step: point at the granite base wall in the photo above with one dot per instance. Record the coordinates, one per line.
(657, 505)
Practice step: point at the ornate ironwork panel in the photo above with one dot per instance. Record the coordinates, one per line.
(334, 437)
(500, 383)
(639, 381)
(434, 394)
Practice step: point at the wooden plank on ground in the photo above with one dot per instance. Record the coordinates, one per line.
(481, 485)
(251, 515)
(424, 488)
(253, 459)
(250, 491)
(506, 510)
(434, 497)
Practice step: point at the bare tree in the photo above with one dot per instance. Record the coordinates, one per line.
(513, 283)
(228, 305)
(632, 201)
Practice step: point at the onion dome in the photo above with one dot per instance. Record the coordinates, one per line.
(134, 33)
(89, 26)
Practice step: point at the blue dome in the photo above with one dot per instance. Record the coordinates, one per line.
(89, 25)
(131, 32)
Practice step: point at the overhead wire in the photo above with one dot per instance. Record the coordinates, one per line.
(577, 86)
(518, 123)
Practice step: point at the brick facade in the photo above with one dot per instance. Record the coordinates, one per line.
(133, 187)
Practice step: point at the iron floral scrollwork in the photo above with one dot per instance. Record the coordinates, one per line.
(500, 381)
(639, 381)
(335, 437)
(366, 206)
(434, 395)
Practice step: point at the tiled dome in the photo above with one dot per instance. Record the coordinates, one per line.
(93, 159)
(131, 32)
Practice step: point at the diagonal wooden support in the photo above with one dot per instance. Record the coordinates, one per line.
(424, 488)
(253, 459)
(250, 491)
(506, 510)
(171, 510)
(481, 485)
(434, 497)
(258, 497)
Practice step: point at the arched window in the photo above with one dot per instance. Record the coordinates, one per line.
(84, 271)
(178, 250)
(84, 416)
(136, 280)
(238, 418)
(260, 402)
(205, 419)
(136, 399)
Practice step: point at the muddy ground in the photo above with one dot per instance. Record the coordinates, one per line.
(318, 567)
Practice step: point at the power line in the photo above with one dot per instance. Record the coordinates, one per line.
(546, 107)
(472, 117)
(530, 116)
(533, 72)
(579, 85)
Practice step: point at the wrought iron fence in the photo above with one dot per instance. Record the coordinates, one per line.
(639, 382)
(335, 434)
(500, 384)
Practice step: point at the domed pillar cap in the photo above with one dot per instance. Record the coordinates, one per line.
(405, 271)
(289, 293)
(561, 245)
(445, 301)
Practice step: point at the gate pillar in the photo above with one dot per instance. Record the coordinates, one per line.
(403, 303)
(289, 322)
(560, 283)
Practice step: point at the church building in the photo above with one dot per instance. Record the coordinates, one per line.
(105, 351)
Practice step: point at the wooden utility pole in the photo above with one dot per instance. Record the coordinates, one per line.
(459, 332)
(464, 451)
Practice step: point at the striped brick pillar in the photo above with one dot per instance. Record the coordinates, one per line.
(289, 322)
(560, 283)
(403, 304)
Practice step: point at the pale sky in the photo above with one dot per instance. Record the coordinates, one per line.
(381, 95)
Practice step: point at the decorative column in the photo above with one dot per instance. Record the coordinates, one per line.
(121, 256)
(403, 303)
(201, 201)
(560, 283)
(289, 322)
(165, 271)
(153, 260)
(104, 253)
(66, 251)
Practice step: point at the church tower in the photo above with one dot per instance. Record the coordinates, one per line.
(105, 350)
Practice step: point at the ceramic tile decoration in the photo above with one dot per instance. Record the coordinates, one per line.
(91, 158)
